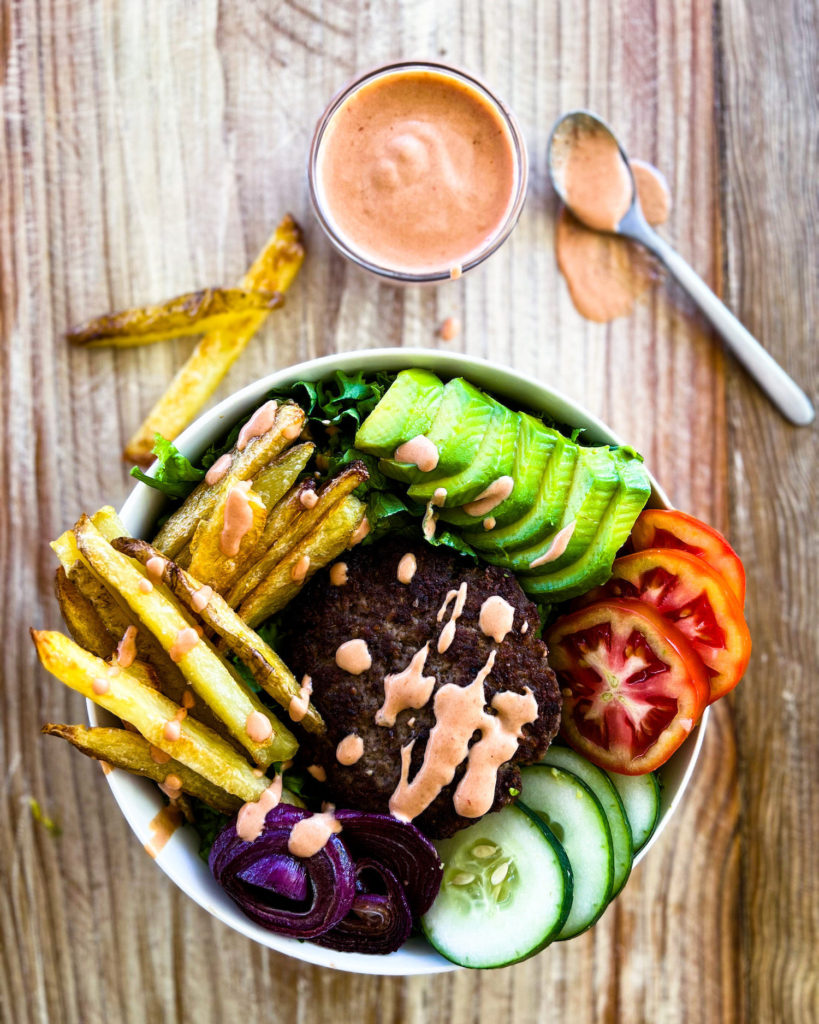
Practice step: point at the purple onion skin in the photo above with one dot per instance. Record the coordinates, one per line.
(400, 847)
(378, 923)
(330, 875)
(286, 876)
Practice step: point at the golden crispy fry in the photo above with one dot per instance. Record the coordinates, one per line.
(244, 465)
(329, 495)
(209, 563)
(149, 711)
(132, 752)
(284, 514)
(85, 626)
(205, 671)
(330, 537)
(108, 522)
(275, 480)
(208, 309)
(274, 270)
(269, 671)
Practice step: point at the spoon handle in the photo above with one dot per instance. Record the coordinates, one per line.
(782, 390)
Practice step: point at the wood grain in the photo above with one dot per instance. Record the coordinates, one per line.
(147, 148)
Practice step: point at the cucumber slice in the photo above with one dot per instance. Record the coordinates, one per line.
(574, 814)
(603, 788)
(641, 799)
(505, 893)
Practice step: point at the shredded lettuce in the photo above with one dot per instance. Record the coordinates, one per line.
(175, 475)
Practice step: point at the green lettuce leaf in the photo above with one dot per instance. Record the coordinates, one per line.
(175, 475)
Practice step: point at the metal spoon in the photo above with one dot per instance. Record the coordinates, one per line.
(784, 392)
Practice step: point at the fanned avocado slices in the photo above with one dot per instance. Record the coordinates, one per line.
(494, 459)
(593, 567)
(405, 411)
(532, 451)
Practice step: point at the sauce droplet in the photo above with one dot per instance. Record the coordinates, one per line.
(308, 498)
(406, 568)
(201, 598)
(359, 533)
(184, 642)
(155, 567)
(353, 656)
(557, 547)
(299, 571)
(489, 523)
(250, 820)
(172, 730)
(237, 521)
(317, 772)
(159, 756)
(448, 632)
(338, 574)
(350, 750)
(439, 497)
(449, 329)
(310, 835)
(418, 451)
(126, 648)
(498, 491)
(145, 586)
(496, 618)
(258, 727)
(301, 701)
(100, 686)
(409, 688)
(259, 423)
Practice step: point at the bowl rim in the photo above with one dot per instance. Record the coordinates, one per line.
(139, 800)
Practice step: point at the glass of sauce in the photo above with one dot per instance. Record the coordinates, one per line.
(417, 172)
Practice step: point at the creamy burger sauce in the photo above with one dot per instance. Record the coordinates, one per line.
(409, 688)
(448, 632)
(338, 574)
(606, 274)
(350, 750)
(162, 826)
(489, 499)
(496, 618)
(353, 656)
(406, 568)
(126, 648)
(238, 519)
(250, 820)
(418, 451)
(595, 177)
(301, 701)
(184, 642)
(259, 423)
(310, 835)
(218, 470)
(201, 598)
(258, 727)
(417, 171)
(557, 547)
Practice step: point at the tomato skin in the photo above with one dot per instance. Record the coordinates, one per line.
(666, 528)
(694, 598)
(633, 687)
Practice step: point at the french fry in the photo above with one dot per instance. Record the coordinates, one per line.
(269, 671)
(284, 514)
(275, 480)
(108, 522)
(245, 464)
(149, 711)
(331, 493)
(209, 563)
(207, 674)
(196, 312)
(132, 752)
(330, 537)
(273, 271)
(81, 618)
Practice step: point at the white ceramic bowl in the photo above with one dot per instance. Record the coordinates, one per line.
(140, 800)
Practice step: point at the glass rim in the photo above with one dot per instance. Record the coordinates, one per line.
(495, 240)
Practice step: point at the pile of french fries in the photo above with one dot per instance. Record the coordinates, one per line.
(227, 317)
(190, 722)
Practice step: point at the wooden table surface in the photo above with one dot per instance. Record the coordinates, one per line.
(147, 148)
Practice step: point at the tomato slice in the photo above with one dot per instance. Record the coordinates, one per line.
(633, 687)
(662, 528)
(692, 597)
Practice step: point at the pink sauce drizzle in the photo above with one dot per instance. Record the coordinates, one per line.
(145, 586)
(238, 519)
(430, 521)
(350, 750)
(299, 571)
(489, 523)
(163, 825)
(406, 568)
(171, 787)
(250, 820)
(353, 656)
(557, 547)
(126, 648)
(301, 701)
(258, 727)
(318, 773)
(448, 632)
(359, 533)
(185, 640)
(218, 470)
(439, 497)
(292, 431)
(498, 491)
(100, 686)
(449, 329)
(524, 628)
(188, 700)
(420, 452)
(155, 567)
(201, 598)
(496, 618)
(172, 730)
(500, 734)
(159, 756)
(310, 835)
(338, 574)
(409, 688)
(259, 423)
(308, 498)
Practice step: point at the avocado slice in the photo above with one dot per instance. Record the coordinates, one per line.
(547, 510)
(405, 411)
(534, 446)
(593, 567)
(595, 480)
(457, 430)
(495, 458)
